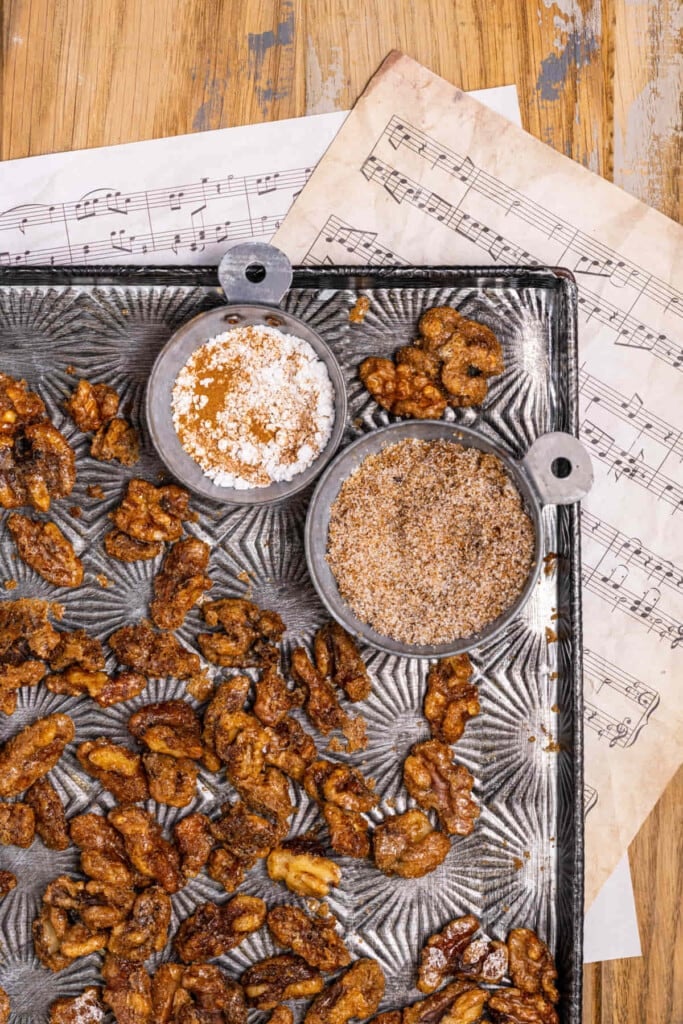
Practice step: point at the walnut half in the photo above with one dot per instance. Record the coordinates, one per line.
(299, 864)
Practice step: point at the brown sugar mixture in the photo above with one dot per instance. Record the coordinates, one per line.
(429, 541)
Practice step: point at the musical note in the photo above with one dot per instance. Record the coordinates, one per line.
(620, 705)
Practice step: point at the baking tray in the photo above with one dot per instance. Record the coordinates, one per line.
(523, 864)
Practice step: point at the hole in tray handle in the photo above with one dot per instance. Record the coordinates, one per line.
(254, 273)
(560, 468)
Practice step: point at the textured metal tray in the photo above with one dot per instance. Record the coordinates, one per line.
(523, 865)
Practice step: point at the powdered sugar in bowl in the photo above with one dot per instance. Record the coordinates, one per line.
(246, 404)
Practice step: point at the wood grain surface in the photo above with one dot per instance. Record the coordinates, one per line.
(599, 80)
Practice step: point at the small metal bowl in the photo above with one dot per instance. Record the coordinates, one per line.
(535, 477)
(254, 277)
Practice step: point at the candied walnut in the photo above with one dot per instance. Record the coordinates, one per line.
(25, 629)
(300, 865)
(8, 881)
(226, 869)
(172, 780)
(49, 814)
(146, 847)
(322, 706)
(18, 406)
(436, 326)
(290, 748)
(470, 353)
(348, 831)
(248, 634)
(194, 841)
(145, 931)
(150, 513)
(116, 767)
(228, 699)
(512, 1006)
(453, 952)
(33, 752)
(105, 690)
(119, 545)
(313, 938)
(274, 699)
(421, 360)
(213, 930)
(248, 837)
(90, 406)
(5, 1007)
(436, 783)
(85, 1008)
(338, 784)
(532, 967)
(13, 677)
(357, 993)
(17, 825)
(35, 467)
(117, 440)
(407, 845)
(451, 700)
(266, 793)
(44, 548)
(269, 981)
(153, 654)
(402, 389)
(97, 905)
(200, 686)
(168, 727)
(103, 855)
(198, 994)
(59, 936)
(437, 1007)
(337, 656)
(76, 648)
(240, 743)
(127, 991)
(180, 583)
(281, 1015)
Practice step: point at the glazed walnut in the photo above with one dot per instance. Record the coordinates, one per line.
(36, 466)
(145, 930)
(512, 1006)
(357, 993)
(44, 548)
(103, 854)
(49, 814)
(470, 353)
(33, 752)
(117, 768)
(247, 637)
(322, 706)
(151, 514)
(17, 825)
(153, 654)
(60, 933)
(8, 881)
(451, 700)
(281, 1015)
(313, 938)
(5, 1007)
(198, 994)
(104, 689)
(168, 727)
(266, 793)
(90, 406)
(454, 952)
(117, 440)
(85, 1008)
(299, 863)
(274, 699)
(532, 967)
(180, 583)
(290, 748)
(337, 657)
(436, 783)
(276, 978)
(339, 784)
(76, 648)
(407, 845)
(19, 407)
(402, 389)
(26, 635)
(246, 836)
(194, 842)
(437, 1007)
(172, 780)
(148, 851)
(348, 831)
(127, 991)
(213, 930)
(227, 700)
(119, 545)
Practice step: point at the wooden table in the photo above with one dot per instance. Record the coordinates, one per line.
(599, 80)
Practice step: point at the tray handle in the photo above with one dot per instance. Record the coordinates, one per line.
(255, 272)
(560, 468)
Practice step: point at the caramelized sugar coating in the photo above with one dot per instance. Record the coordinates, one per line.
(168, 727)
(348, 831)
(300, 864)
(403, 390)
(290, 748)
(127, 991)
(60, 932)
(287, 976)
(151, 514)
(407, 845)
(194, 842)
(281, 1015)
(19, 407)
(117, 440)
(274, 699)
(532, 967)
(36, 466)
(198, 994)
(322, 706)
(437, 1007)
(85, 1008)
(512, 1006)
(153, 654)
(247, 836)
(26, 635)
(421, 361)
(266, 793)
(44, 548)
(116, 767)
(103, 854)
(227, 700)
(49, 814)
(357, 993)
(172, 780)
(454, 952)
(105, 690)
(77, 648)
(451, 699)
(119, 545)
(148, 851)
(213, 930)
(469, 351)
(436, 783)
(33, 752)
(313, 938)
(17, 825)
(145, 930)
(8, 881)
(337, 657)
(326, 781)
(5, 1007)
(180, 583)
(247, 637)
(90, 406)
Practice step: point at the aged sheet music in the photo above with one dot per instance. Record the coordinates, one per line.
(420, 173)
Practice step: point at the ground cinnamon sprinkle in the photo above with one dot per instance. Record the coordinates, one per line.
(429, 541)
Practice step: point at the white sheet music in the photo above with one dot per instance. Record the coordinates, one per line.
(422, 174)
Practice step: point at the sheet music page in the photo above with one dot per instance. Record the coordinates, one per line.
(420, 173)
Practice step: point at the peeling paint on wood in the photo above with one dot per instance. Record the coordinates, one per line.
(323, 85)
(273, 49)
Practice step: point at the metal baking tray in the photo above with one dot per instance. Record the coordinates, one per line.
(523, 864)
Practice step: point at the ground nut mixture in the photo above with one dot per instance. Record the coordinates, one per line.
(429, 541)
(253, 406)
